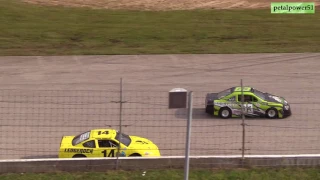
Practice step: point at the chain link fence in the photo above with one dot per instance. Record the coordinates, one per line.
(34, 121)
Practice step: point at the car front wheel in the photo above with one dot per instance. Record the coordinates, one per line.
(272, 113)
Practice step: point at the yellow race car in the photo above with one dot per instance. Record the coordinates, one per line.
(105, 143)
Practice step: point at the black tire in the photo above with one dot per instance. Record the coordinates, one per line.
(79, 156)
(225, 113)
(135, 155)
(272, 113)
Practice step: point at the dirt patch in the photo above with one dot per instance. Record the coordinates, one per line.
(163, 4)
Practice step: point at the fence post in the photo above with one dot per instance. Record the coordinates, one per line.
(187, 152)
(243, 123)
(120, 124)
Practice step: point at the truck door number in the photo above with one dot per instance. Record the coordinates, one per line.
(105, 153)
(248, 108)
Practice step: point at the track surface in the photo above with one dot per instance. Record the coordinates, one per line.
(43, 98)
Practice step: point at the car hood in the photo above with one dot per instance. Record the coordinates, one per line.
(275, 99)
(140, 142)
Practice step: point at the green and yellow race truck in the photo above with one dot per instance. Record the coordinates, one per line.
(228, 103)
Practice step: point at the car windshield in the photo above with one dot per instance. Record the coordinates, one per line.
(224, 93)
(80, 138)
(261, 95)
(125, 139)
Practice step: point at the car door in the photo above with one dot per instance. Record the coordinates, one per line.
(258, 105)
(247, 102)
(90, 146)
(107, 148)
(251, 104)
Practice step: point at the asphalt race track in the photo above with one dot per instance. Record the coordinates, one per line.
(44, 98)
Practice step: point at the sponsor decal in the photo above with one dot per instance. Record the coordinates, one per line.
(225, 104)
(236, 112)
(83, 137)
(82, 151)
(286, 107)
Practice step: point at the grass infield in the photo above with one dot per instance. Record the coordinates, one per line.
(235, 174)
(37, 30)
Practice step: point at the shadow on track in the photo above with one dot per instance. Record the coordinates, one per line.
(200, 114)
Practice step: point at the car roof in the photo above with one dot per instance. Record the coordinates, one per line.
(111, 133)
(245, 89)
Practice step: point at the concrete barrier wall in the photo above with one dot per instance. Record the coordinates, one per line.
(138, 163)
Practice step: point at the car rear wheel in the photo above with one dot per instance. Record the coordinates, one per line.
(225, 113)
(272, 113)
(79, 156)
